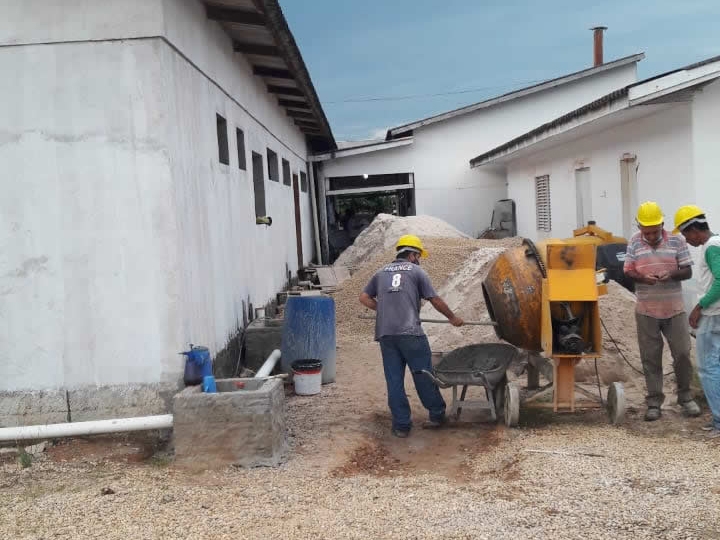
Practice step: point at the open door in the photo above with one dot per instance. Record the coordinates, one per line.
(298, 222)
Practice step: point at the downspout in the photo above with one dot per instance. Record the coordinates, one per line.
(316, 223)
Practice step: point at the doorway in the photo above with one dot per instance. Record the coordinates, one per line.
(583, 196)
(628, 193)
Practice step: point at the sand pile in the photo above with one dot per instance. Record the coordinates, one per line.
(385, 230)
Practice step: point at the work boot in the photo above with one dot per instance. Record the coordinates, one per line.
(690, 408)
(435, 424)
(652, 414)
(400, 433)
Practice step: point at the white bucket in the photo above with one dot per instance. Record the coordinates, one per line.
(307, 377)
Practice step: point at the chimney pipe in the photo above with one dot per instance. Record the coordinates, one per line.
(598, 45)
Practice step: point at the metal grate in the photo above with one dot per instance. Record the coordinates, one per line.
(542, 203)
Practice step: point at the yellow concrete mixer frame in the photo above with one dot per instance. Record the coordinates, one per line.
(544, 298)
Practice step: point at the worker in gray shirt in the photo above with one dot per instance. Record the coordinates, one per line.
(395, 292)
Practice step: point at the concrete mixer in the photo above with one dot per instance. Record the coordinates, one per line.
(544, 298)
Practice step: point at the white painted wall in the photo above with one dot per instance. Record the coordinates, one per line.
(445, 185)
(47, 21)
(122, 238)
(662, 143)
(706, 158)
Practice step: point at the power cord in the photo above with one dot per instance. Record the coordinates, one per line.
(597, 378)
(636, 370)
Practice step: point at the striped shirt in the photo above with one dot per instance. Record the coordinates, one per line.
(664, 299)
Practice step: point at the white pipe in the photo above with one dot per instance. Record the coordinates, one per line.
(71, 429)
(269, 364)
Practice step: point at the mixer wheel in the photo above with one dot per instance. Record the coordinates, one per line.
(512, 405)
(616, 403)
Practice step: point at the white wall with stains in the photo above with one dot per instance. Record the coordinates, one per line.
(122, 237)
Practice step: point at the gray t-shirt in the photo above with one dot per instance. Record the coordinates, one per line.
(398, 289)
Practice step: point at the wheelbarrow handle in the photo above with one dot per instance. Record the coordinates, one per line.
(430, 374)
(440, 321)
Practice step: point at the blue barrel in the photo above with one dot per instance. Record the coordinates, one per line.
(309, 333)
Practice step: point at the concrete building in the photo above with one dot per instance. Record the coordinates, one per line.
(651, 140)
(654, 140)
(139, 141)
(426, 160)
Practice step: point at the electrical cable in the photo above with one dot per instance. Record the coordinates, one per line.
(597, 378)
(623, 356)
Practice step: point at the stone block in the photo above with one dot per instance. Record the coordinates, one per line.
(234, 426)
(31, 407)
(107, 402)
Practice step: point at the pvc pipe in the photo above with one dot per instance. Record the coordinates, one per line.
(71, 429)
(269, 364)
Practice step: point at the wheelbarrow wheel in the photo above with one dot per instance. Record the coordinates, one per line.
(512, 405)
(498, 395)
(616, 403)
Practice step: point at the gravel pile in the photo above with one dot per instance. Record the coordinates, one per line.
(384, 232)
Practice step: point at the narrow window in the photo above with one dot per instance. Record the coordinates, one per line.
(241, 148)
(273, 172)
(258, 184)
(222, 136)
(542, 203)
(286, 172)
(303, 182)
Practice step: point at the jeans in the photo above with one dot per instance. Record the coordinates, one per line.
(413, 351)
(707, 345)
(650, 332)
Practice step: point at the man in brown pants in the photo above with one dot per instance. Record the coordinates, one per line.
(658, 261)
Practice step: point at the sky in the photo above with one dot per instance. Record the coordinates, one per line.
(381, 63)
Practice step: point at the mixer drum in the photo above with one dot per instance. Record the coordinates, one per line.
(513, 296)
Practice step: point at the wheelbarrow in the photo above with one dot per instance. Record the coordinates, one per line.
(482, 364)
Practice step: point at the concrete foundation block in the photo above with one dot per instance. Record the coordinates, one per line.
(27, 408)
(244, 427)
(107, 402)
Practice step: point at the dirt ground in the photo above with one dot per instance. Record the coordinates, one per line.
(346, 476)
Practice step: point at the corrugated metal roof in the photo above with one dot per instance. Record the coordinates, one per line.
(260, 31)
(515, 94)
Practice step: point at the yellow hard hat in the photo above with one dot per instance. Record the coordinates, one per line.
(649, 214)
(411, 241)
(686, 213)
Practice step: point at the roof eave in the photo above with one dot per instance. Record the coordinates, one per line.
(286, 42)
(605, 106)
(546, 85)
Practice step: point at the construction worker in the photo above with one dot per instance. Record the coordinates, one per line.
(658, 262)
(395, 292)
(690, 220)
